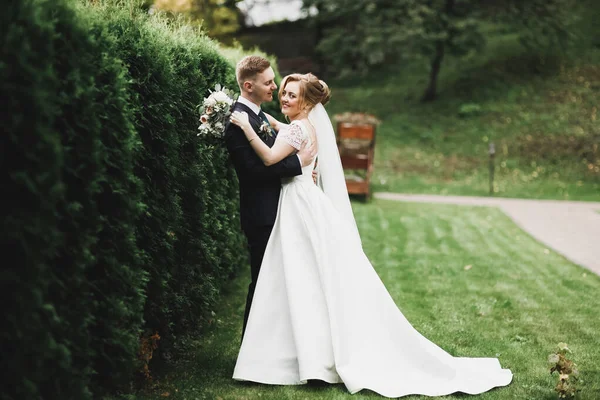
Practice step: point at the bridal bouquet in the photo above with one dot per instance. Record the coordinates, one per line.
(214, 111)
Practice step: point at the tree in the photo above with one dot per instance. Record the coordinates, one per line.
(361, 34)
(218, 17)
(440, 27)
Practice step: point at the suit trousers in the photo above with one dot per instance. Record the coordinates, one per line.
(257, 243)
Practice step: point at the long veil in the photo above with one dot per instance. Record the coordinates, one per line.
(330, 172)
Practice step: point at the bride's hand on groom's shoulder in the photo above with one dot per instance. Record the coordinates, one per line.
(240, 118)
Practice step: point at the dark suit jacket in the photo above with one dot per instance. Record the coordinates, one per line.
(259, 185)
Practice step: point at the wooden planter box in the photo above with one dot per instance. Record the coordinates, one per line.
(356, 143)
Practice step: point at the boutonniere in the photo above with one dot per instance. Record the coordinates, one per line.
(266, 129)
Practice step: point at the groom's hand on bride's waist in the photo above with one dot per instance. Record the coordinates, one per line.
(307, 153)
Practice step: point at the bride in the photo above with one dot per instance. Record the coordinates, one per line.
(320, 311)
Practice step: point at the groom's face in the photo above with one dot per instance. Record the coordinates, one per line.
(264, 86)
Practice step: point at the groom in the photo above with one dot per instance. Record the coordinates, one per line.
(259, 185)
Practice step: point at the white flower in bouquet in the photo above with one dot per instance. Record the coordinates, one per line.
(221, 97)
(210, 101)
(214, 112)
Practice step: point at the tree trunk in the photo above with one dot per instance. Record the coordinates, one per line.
(436, 64)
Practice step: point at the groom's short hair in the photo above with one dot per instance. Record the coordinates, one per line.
(248, 67)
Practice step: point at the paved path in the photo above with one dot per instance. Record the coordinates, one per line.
(571, 228)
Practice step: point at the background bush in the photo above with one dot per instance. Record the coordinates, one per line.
(121, 222)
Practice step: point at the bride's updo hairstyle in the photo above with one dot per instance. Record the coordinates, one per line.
(312, 90)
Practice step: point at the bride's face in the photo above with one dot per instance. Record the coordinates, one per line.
(290, 99)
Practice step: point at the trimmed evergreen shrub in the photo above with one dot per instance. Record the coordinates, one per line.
(74, 292)
(189, 230)
(121, 221)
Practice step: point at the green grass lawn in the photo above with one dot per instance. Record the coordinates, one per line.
(541, 112)
(466, 277)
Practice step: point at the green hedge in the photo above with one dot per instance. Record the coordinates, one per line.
(75, 289)
(190, 225)
(121, 222)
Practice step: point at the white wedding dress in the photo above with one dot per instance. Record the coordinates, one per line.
(320, 311)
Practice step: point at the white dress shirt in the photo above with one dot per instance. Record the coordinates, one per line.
(254, 107)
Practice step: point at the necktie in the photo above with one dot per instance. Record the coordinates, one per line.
(262, 116)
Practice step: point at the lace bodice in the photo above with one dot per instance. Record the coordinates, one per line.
(294, 134)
